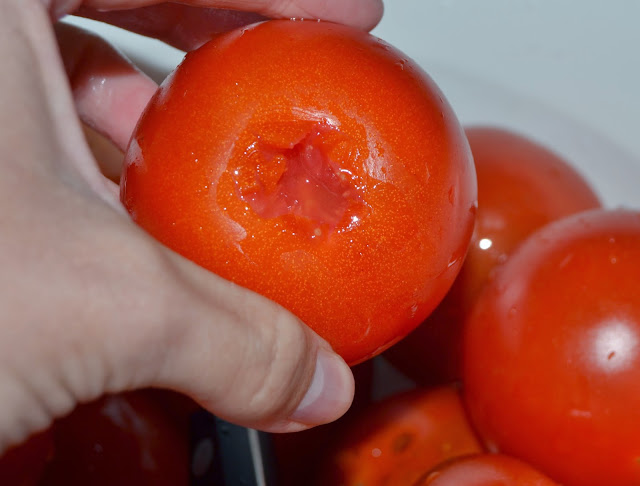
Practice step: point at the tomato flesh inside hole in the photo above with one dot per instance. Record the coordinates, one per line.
(302, 180)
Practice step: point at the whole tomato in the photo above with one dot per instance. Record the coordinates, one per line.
(552, 351)
(522, 186)
(411, 432)
(484, 470)
(315, 164)
(123, 440)
(24, 464)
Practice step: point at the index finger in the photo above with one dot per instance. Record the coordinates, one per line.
(364, 14)
(189, 23)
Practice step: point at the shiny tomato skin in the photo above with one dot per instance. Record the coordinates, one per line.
(314, 164)
(124, 440)
(522, 186)
(552, 351)
(485, 470)
(24, 464)
(412, 431)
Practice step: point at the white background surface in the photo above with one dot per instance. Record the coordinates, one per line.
(565, 72)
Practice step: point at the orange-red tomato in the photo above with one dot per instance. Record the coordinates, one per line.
(522, 186)
(412, 432)
(552, 351)
(123, 439)
(24, 464)
(485, 470)
(314, 164)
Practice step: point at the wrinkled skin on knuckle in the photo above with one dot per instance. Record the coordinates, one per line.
(149, 301)
(282, 358)
(63, 292)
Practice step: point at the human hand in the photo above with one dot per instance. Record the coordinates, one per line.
(89, 303)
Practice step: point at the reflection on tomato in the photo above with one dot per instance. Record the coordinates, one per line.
(552, 351)
(485, 470)
(118, 440)
(24, 464)
(410, 431)
(522, 186)
(314, 164)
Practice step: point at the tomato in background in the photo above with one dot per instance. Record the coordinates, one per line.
(522, 186)
(123, 440)
(24, 464)
(552, 351)
(410, 431)
(315, 164)
(485, 470)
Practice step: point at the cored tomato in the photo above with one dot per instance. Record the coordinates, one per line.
(521, 187)
(315, 164)
(120, 439)
(484, 470)
(552, 351)
(413, 432)
(23, 465)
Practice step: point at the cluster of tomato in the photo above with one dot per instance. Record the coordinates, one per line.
(317, 165)
(526, 373)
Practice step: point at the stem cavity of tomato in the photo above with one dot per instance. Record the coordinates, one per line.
(305, 179)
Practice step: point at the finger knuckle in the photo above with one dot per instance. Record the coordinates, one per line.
(285, 366)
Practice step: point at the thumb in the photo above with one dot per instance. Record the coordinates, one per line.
(247, 359)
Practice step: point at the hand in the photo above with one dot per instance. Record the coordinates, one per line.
(89, 303)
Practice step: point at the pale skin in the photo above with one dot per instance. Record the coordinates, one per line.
(89, 304)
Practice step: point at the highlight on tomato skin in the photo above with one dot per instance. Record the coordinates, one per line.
(394, 441)
(484, 470)
(522, 186)
(315, 164)
(552, 351)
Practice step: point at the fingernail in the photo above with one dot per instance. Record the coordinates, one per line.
(330, 393)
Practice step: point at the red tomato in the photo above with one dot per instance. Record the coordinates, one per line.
(118, 440)
(314, 164)
(484, 470)
(552, 351)
(521, 187)
(24, 464)
(410, 431)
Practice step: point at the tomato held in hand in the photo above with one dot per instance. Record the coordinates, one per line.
(412, 432)
(552, 351)
(485, 470)
(522, 186)
(314, 164)
(120, 439)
